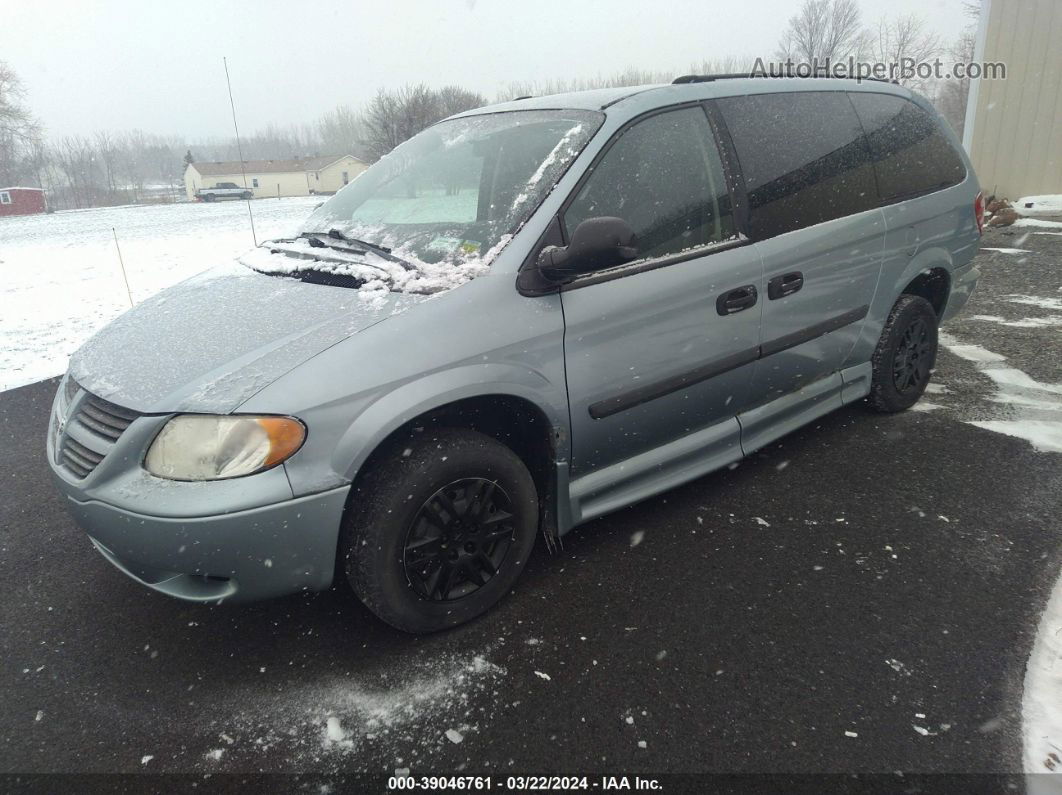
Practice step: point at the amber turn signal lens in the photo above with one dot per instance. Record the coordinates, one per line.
(285, 438)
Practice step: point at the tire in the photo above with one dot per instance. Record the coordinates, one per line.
(247, 195)
(905, 356)
(209, 197)
(418, 512)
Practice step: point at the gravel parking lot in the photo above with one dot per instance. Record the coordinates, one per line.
(862, 596)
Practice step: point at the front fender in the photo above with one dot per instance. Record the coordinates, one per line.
(393, 409)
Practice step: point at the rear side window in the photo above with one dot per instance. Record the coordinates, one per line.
(804, 158)
(664, 177)
(911, 154)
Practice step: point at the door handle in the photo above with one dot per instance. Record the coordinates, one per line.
(786, 284)
(735, 300)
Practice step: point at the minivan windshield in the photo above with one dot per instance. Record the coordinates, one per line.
(458, 190)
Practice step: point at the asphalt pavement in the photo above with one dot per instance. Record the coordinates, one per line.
(860, 597)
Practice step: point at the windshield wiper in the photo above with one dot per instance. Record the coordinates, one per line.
(354, 245)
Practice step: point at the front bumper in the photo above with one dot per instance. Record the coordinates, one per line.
(243, 556)
(242, 539)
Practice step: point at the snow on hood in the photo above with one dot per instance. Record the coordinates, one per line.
(210, 343)
(380, 274)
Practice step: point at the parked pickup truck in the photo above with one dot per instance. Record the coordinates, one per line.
(223, 190)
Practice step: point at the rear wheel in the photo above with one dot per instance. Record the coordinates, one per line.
(440, 530)
(906, 353)
(247, 195)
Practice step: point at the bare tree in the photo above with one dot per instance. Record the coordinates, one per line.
(952, 94)
(727, 64)
(906, 41)
(628, 77)
(76, 161)
(395, 116)
(341, 131)
(19, 130)
(107, 150)
(824, 32)
(454, 99)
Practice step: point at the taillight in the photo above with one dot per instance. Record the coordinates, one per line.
(979, 212)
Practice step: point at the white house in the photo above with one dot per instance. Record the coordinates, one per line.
(272, 178)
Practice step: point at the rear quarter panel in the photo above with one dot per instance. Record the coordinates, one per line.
(937, 230)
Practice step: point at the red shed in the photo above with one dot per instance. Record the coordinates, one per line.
(21, 201)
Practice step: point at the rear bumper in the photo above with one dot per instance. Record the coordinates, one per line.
(243, 556)
(963, 282)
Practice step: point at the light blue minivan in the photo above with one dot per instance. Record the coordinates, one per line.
(526, 316)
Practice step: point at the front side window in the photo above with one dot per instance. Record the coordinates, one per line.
(803, 156)
(664, 177)
(5, 197)
(457, 190)
(912, 156)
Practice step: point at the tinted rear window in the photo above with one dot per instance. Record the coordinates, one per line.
(804, 158)
(911, 153)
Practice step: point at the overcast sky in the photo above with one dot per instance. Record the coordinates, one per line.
(157, 65)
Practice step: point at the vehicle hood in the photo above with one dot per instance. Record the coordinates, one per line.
(212, 342)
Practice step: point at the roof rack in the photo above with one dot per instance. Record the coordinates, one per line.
(746, 75)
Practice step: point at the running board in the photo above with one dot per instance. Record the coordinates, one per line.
(654, 471)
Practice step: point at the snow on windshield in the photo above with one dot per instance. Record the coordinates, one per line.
(437, 210)
(565, 150)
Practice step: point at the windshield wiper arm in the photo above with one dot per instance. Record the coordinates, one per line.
(336, 234)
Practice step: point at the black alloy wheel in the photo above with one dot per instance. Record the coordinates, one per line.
(914, 357)
(458, 539)
(906, 353)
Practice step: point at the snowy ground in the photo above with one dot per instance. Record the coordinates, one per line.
(60, 278)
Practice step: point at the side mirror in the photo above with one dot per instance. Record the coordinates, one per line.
(596, 243)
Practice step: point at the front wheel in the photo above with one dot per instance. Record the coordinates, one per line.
(906, 353)
(440, 530)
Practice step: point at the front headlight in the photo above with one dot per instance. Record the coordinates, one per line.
(206, 447)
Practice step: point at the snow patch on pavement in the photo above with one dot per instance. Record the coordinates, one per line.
(1025, 322)
(1045, 436)
(1033, 412)
(1038, 222)
(971, 353)
(924, 405)
(1035, 300)
(1041, 704)
(324, 725)
(1047, 204)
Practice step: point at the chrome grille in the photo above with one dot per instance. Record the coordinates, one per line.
(103, 418)
(78, 458)
(93, 428)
